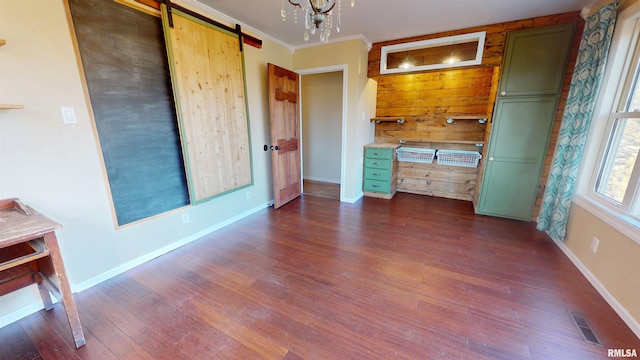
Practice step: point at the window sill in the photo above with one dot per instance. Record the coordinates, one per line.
(626, 225)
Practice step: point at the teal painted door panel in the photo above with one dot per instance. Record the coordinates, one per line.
(535, 60)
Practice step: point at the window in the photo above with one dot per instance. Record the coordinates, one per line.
(617, 177)
(440, 53)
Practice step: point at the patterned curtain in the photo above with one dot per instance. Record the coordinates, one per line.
(585, 84)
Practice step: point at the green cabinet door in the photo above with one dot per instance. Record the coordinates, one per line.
(535, 60)
(516, 156)
(530, 83)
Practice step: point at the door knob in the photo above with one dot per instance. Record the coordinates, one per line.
(490, 159)
(503, 93)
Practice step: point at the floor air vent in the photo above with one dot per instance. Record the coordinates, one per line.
(584, 328)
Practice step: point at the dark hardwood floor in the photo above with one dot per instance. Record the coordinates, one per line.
(415, 277)
(321, 188)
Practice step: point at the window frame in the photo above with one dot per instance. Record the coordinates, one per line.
(622, 59)
(479, 36)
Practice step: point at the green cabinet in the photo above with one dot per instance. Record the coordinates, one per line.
(380, 171)
(529, 89)
(535, 61)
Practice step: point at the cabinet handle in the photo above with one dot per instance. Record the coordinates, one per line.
(376, 154)
(377, 163)
(375, 186)
(503, 93)
(490, 159)
(375, 174)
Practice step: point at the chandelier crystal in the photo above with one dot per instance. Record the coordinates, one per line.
(318, 16)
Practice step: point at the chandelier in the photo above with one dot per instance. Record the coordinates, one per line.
(318, 16)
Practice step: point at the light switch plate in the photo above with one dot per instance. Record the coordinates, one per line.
(68, 115)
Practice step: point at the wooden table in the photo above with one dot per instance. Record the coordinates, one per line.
(29, 254)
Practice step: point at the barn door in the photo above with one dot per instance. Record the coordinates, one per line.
(284, 115)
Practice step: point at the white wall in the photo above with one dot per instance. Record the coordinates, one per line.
(322, 126)
(57, 169)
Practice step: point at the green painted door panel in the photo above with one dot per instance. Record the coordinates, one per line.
(518, 145)
(522, 132)
(530, 84)
(535, 60)
(511, 189)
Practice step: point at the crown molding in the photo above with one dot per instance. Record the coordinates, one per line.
(232, 21)
(337, 40)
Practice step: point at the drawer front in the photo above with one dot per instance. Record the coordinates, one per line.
(377, 174)
(377, 186)
(378, 153)
(377, 164)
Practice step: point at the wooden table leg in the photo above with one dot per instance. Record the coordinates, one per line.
(65, 290)
(44, 292)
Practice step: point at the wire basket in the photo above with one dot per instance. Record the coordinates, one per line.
(420, 155)
(459, 158)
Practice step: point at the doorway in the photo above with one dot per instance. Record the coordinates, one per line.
(322, 112)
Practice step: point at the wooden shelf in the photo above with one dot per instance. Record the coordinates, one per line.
(396, 119)
(11, 106)
(482, 119)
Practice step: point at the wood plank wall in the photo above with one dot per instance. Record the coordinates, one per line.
(427, 98)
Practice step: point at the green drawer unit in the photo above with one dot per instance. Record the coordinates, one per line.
(380, 171)
(377, 174)
(377, 186)
(377, 164)
(378, 153)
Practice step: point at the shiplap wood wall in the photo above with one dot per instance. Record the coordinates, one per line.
(426, 99)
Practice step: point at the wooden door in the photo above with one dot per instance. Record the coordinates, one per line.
(284, 117)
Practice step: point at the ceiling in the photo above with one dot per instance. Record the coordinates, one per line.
(381, 20)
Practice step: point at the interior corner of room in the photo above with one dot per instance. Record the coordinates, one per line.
(135, 170)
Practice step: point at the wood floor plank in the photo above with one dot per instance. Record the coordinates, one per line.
(46, 339)
(15, 344)
(415, 277)
(119, 343)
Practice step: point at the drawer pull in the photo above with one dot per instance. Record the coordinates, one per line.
(377, 154)
(375, 186)
(377, 163)
(375, 174)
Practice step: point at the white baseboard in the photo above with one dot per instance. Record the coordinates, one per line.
(38, 305)
(633, 324)
(351, 200)
(154, 254)
(21, 313)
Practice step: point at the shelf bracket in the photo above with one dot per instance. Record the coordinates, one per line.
(396, 119)
(481, 120)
